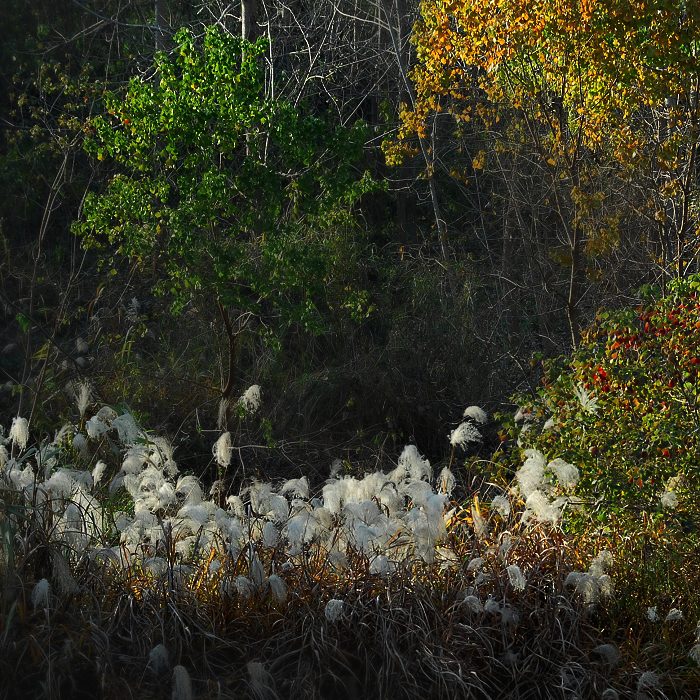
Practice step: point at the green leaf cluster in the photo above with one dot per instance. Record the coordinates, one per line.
(223, 192)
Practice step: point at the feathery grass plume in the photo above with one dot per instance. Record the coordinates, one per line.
(106, 414)
(222, 450)
(132, 311)
(80, 444)
(516, 577)
(256, 571)
(278, 588)
(251, 399)
(491, 606)
(481, 528)
(605, 583)
(244, 587)
(465, 434)
(652, 614)
(127, 429)
(446, 481)
(267, 503)
(609, 694)
(608, 654)
(182, 684)
(96, 428)
(549, 424)
(164, 456)
(19, 432)
(334, 610)
(82, 392)
(41, 593)
(260, 681)
(81, 346)
(475, 564)
(476, 413)
(544, 510)
(159, 659)
(297, 487)
(588, 402)
(473, 604)
(567, 474)
(669, 500)
(601, 563)
(674, 614)
(271, 535)
(647, 681)
(694, 653)
(189, 489)
(530, 476)
(506, 544)
(416, 466)
(501, 505)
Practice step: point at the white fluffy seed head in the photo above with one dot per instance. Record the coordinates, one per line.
(278, 588)
(270, 534)
(501, 505)
(98, 472)
(674, 614)
(222, 450)
(82, 390)
(334, 609)
(476, 413)
(19, 432)
(669, 500)
(607, 653)
(182, 684)
(516, 577)
(260, 680)
(601, 563)
(473, 604)
(411, 462)
(159, 659)
(446, 481)
(566, 474)
(530, 476)
(41, 593)
(647, 680)
(251, 399)
(96, 428)
(127, 429)
(465, 434)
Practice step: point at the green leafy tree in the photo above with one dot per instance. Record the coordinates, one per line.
(227, 196)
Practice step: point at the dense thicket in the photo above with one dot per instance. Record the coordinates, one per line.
(506, 220)
(258, 256)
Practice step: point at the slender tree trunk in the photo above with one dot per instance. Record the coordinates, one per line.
(160, 24)
(249, 27)
(426, 151)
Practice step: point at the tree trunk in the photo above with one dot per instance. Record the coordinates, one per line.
(249, 27)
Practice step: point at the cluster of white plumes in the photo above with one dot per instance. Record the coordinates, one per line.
(545, 486)
(388, 518)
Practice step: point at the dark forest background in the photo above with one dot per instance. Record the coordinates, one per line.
(448, 314)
